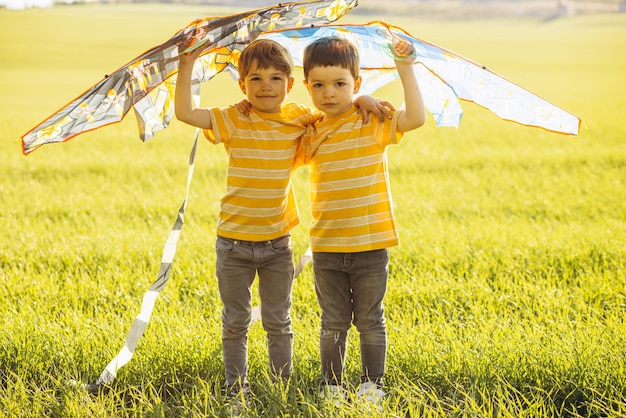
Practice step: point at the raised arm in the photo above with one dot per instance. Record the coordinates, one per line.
(183, 106)
(414, 114)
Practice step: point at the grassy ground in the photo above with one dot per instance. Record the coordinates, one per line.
(506, 296)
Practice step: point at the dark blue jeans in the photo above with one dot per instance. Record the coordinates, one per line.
(350, 289)
(238, 262)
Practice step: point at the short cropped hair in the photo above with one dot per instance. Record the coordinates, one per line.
(331, 52)
(265, 53)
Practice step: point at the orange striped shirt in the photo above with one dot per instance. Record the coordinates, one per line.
(350, 197)
(259, 202)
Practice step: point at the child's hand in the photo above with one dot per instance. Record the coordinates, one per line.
(379, 108)
(190, 39)
(244, 107)
(404, 52)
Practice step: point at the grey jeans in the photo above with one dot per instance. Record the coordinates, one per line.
(238, 262)
(350, 289)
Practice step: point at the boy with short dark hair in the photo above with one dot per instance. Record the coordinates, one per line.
(353, 224)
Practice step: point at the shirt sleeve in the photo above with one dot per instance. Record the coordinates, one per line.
(307, 146)
(222, 124)
(387, 132)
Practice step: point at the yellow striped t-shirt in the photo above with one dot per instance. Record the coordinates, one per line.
(259, 203)
(350, 197)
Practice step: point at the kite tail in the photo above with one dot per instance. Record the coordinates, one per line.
(304, 260)
(141, 321)
(302, 263)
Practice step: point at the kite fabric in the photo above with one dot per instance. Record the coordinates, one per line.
(443, 76)
(147, 83)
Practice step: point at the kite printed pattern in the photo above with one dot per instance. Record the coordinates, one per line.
(147, 83)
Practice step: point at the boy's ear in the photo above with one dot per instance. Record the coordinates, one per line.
(357, 84)
(242, 86)
(307, 86)
(290, 81)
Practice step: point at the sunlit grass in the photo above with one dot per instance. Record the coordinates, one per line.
(506, 296)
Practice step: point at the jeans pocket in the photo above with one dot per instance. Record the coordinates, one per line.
(282, 244)
(224, 246)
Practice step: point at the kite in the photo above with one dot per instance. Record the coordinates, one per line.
(147, 83)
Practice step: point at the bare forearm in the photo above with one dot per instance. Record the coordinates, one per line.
(182, 96)
(183, 106)
(414, 114)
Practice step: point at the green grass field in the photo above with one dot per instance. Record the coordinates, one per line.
(507, 295)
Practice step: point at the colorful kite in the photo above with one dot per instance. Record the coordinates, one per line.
(147, 83)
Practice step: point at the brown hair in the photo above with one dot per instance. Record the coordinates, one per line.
(265, 53)
(330, 52)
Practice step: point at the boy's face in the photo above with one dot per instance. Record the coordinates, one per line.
(266, 88)
(332, 89)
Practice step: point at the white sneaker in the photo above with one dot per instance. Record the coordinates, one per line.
(335, 395)
(371, 392)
